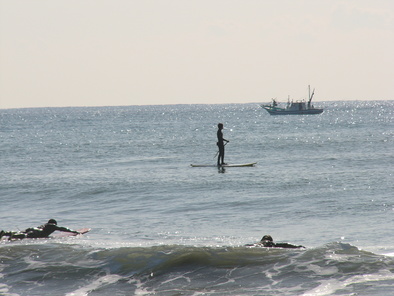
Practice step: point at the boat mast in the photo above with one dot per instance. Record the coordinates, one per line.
(310, 96)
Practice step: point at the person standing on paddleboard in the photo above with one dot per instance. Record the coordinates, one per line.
(220, 144)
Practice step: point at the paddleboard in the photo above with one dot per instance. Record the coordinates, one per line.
(223, 166)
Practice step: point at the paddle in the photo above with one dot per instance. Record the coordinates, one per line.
(219, 151)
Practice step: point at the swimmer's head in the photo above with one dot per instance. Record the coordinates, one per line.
(267, 237)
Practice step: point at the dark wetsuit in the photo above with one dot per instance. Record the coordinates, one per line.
(270, 244)
(45, 230)
(220, 144)
(37, 232)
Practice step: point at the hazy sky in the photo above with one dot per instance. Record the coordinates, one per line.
(126, 52)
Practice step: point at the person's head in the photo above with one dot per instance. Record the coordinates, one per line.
(267, 237)
(52, 221)
(220, 125)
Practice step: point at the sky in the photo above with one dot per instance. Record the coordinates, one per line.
(59, 53)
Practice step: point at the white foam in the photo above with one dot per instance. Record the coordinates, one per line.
(100, 282)
(4, 290)
(328, 287)
(326, 270)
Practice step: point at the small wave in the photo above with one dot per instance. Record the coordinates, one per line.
(161, 259)
(171, 269)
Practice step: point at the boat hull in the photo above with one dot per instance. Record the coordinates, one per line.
(293, 112)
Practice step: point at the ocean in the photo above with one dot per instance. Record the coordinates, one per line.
(162, 227)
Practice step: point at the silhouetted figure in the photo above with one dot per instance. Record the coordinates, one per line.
(37, 232)
(220, 144)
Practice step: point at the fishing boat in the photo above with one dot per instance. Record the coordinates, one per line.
(293, 108)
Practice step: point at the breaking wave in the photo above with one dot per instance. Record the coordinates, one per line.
(68, 269)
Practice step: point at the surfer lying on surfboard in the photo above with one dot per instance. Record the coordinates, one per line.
(268, 242)
(37, 232)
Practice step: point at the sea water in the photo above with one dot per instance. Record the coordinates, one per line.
(162, 227)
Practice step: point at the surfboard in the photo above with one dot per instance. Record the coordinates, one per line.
(59, 234)
(223, 166)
